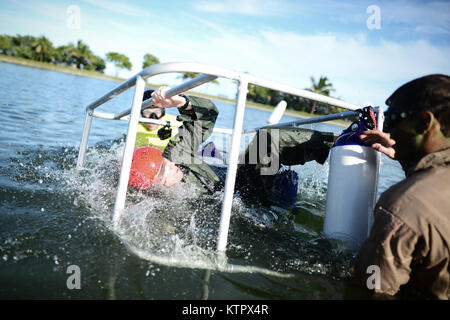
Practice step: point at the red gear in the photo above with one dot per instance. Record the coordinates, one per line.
(145, 166)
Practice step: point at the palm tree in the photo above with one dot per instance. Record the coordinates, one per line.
(258, 94)
(83, 55)
(119, 60)
(21, 46)
(323, 86)
(79, 55)
(99, 64)
(149, 60)
(5, 44)
(191, 75)
(43, 47)
(66, 54)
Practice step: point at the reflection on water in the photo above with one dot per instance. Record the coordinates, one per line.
(53, 216)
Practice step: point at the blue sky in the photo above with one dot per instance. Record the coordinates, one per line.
(284, 41)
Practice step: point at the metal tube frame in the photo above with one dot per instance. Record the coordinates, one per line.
(204, 78)
(128, 152)
(208, 73)
(84, 140)
(296, 123)
(233, 163)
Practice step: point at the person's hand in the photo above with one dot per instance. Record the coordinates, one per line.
(160, 100)
(382, 142)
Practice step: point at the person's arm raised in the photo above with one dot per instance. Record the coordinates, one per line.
(198, 119)
(160, 100)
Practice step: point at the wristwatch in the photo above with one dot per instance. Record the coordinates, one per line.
(183, 107)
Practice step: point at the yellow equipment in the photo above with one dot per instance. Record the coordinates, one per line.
(146, 137)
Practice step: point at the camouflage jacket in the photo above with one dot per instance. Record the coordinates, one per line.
(266, 154)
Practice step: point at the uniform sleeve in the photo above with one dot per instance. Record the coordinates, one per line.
(390, 246)
(198, 124)
(288, 146)
(298, 146)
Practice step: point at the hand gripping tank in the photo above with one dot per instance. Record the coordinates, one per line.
(352, 184)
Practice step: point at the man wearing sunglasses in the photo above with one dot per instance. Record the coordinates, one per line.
(410, 237)
(155, 135)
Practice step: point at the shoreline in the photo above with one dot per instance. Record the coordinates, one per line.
(53, 67)
(96, 74)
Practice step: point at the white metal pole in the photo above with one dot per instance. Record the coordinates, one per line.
(128, 152)
(301, 93)
(204, 78)
(84, 140)
(296, 123)
(380, 123)
(233, 163)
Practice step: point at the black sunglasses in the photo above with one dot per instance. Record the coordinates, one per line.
(393, 117)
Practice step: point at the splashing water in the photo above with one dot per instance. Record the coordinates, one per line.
(178, 227)
(166, 224)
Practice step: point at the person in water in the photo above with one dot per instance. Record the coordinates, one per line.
(410, 237)
(262, 174)
(150, 134)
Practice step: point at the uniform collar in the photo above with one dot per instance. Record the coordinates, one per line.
(439, 158)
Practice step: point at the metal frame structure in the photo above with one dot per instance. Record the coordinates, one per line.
(208, 73)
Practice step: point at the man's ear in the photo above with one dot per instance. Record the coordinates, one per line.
(426, 122)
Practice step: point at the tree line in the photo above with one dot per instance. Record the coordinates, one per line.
(80, 56)
(271, 97)
(77, 55)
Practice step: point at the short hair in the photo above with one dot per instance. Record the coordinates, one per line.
(148, 95)
(428, 93)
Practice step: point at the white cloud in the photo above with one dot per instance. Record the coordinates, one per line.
(51, 12)
(419, 16)
(431, 30)
(359, 71)
(245, 7)
(427, 17)
(210, 26)
(119, 7)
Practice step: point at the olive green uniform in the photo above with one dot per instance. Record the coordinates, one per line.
(296, 146)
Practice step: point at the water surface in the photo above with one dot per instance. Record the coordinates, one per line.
(52, 216)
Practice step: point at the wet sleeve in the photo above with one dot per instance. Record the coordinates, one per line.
(288, 146)
(390, 247)
(298, 146)
(198, 124)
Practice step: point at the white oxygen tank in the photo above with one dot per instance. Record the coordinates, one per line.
(352, 191)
